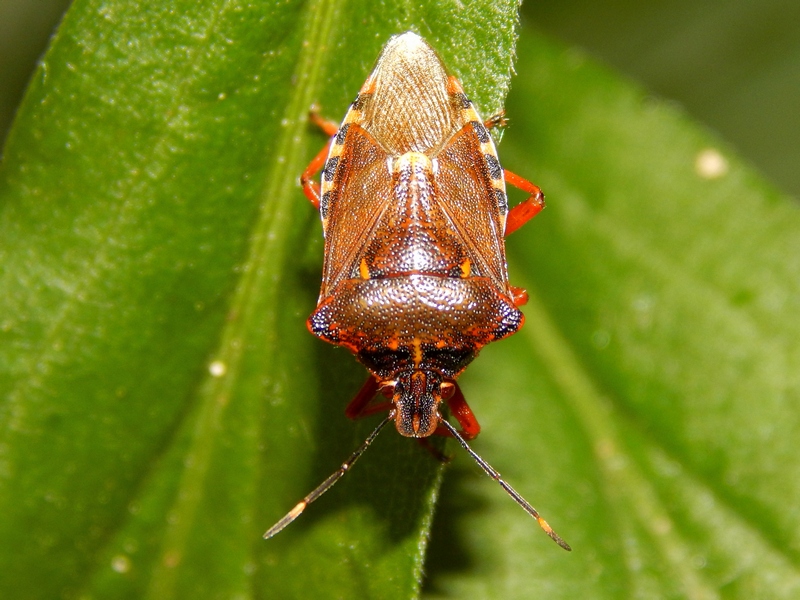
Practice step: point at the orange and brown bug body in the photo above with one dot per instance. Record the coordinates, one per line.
(414, 213)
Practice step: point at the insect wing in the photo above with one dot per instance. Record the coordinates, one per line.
(361, 191)
(470, 190)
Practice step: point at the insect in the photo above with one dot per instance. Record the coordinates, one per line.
(414, 214)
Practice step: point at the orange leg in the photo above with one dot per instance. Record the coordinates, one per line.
(524, 211)
(359, 406)
(519, 295)
(498, 120)
(328, 127)
(470, 428)
(310, 187)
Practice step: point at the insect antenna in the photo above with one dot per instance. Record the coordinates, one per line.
(328, 483)
(511, 491)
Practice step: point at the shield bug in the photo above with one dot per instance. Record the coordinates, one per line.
(414, 214)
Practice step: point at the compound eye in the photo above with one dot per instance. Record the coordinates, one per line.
(387, 388)
(447, 389)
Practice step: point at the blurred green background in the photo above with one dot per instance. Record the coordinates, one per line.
(734, 66)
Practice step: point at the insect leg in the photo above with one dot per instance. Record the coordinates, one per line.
(519, 295)
(524, 211)
(311, 187)
(328, 483)
(328, 127)
(470, 428)
(498, 120)
(359, 406)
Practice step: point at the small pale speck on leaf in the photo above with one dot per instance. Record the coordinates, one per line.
(710, 164)
(217, 368)
(121, 563)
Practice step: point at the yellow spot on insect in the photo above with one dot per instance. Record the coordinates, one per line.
(417, 355)
(336, 150)
(363, 269)
(466, 268)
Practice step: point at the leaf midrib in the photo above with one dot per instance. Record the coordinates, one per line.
(264, 262)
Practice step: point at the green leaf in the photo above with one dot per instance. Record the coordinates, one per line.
(162, 401)
(648, 408)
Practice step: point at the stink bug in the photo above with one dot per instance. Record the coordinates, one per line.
(414, 214)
